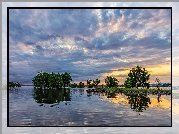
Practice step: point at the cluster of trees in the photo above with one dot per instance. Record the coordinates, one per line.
(14, 84)
(53, 80)
(74, 85)
(137, 77)
(93, 83)
(90, 84)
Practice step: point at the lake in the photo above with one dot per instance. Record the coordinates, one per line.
(76, 107)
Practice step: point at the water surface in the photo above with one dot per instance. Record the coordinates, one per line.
(89, 130)
(76, 107)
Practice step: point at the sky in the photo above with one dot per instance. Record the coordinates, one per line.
(92, 43)
(89, 43)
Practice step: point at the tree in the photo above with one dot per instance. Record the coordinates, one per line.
(137, 77)
(128, 83)
(13, 84)
(46, 80)
(90, 85)
(96, 82)
(81, 85)
(158, 83)
(66, 78)
(111, 82)
(41, 80)
(73, 85)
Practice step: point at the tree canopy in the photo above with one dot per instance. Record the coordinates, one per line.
(89, 83)
(14, 84)
(111, 82)
(137, 77)
(46, 80)
(66, 78)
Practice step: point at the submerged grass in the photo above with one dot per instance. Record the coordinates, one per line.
(144, 90)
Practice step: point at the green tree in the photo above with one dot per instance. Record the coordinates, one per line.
(41, 80)
(13, 84)
(73, 85)
(89, 83)
(66, 78)
(96, 82)
(111, 82)
(138, 77)
(81, 85)
(128, 83)
(45, 80)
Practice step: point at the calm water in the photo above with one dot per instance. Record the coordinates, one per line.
(89, 130)
(76, 107)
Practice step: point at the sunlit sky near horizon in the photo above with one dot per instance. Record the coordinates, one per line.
(91, 43)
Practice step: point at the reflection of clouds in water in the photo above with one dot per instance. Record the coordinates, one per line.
(111, 130)
(164, 103)
(122, 99)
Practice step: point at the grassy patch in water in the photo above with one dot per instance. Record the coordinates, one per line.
(144, 90)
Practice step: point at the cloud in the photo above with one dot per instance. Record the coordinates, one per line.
(85, 42)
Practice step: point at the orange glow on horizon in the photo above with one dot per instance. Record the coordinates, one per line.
(161, 69)
(164, 69)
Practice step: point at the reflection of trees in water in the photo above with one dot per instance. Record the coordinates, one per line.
(158, 98)
(50, 96)
(81, 91)
(89, 94)
(77, 91)
(138, 102)
(14, 90)
(111, 95)
(101, 93)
